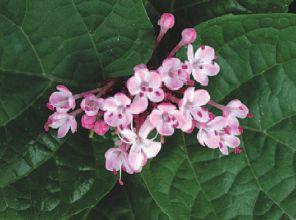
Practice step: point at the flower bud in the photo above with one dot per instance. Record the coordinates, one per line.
(166, 21)
(88, 121)
(188, 35)
(101, 127)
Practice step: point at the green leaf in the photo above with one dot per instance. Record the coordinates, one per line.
(72, 42)
(73, 179)
(191, 12)
(131, 201)
(42, 44)
(257, 56)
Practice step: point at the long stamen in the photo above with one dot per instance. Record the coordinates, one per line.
(120, 180)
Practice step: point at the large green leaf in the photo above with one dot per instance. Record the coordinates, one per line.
(257, 55)
(191, 12)
(131, 201)
(42, 44)
(70, 181)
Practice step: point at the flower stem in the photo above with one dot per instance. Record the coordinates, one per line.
(216, 105)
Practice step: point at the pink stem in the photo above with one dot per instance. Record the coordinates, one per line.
(105, 89)
(216, 105)
(78, 96)
(159, 38)
(76, 112)
(174, 51)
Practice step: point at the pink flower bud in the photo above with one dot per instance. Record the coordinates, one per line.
(188, 35)
(166, 21)
(88, 122)
(101, 127)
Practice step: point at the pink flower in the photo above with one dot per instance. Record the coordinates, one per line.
(191, 106)
(236, 108)
(166, 21)
(213, 135)
(63, 122)
(88, 122)
(119, 109)
(188, 36)
(166, 118)
(173, 73)
(202, 63)
(142, 148)
(62, 101)
(91, 105)
(117, 160)
(146, 85)
(101, 127)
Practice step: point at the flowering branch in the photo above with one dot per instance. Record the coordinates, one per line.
(161, 100)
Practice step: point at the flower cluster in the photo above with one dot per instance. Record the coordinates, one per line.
(154, 101)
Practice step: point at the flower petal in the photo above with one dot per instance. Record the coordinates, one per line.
(201, 97)
(151, 148)
(156, 96)
(63, 130)
(165, 129)
(138, 105)
(134, 85)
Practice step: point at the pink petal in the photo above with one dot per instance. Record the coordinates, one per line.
(151, 148)
(210, 139)
(144, 75)
(205, 53)
(238, 109)
(201, 97)
(138, 105)
(156, 96)
(134, 85)
(179, 117)
(166, 107)
(140, 66)
(129, 135)
(200, 77)
(211, 69)
(88, 121)
(112, 157)
(200, 114)
(174, 84)
(231, 141)
(63, 130)
(190, 54)
(155, 117)
(188, 95)
(223, 149)
(122, 99)
(110, 104)
(154, 80)
(188, 122)
(73, 125)
(165, 129)
(218, 123)
(64, 89)
(146, 128)
(136, 158)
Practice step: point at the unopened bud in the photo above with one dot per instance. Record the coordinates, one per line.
(188, 35)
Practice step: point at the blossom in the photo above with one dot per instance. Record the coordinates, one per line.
(202, 63)
(62, 100)
(236, 108)
(142, 148)
(91, 105)
(117, 160)
(100, 127)
(119, 109)
(191, 106)
(146, 85)
(214, 135)
(165, 118)
(173, 73)
(63, 122)
(88, 122)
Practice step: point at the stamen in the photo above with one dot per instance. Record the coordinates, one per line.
(250, 115)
